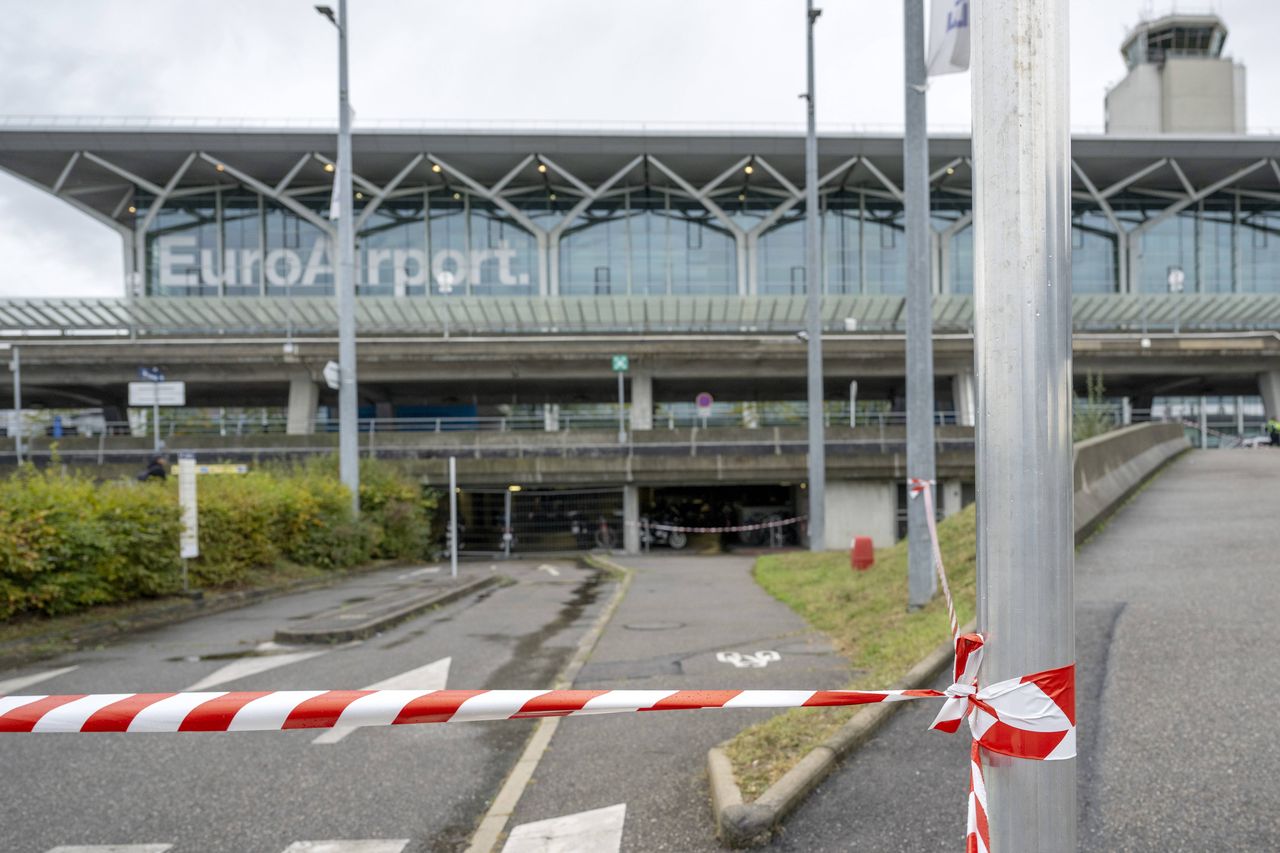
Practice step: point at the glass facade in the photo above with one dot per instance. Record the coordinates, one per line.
(657, 241)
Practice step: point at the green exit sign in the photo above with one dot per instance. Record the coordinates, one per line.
(621, 363)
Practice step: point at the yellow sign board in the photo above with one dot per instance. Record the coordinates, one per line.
(222, 469)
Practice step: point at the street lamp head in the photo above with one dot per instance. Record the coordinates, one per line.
(327, 11)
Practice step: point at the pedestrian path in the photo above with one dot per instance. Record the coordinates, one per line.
(687, 622)
(1176, 636)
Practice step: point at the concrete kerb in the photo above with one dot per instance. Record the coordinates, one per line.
(361, 630)
(54, 642)
(494, 823)
(743, 824)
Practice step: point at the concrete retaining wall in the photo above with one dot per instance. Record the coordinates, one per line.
(1110, 467)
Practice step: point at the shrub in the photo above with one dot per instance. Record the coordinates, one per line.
(67, 542)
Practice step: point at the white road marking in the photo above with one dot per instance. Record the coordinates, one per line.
(756, 660)
(113, 848)
(429, 570)
(433, 676)
(15, 684)
(243, 668)
(598, 831)
(549, 569)
(372, 845)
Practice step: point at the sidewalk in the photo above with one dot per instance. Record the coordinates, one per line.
(1176, 637)
(679, 612)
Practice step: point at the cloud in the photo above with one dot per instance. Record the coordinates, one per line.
(673, 61)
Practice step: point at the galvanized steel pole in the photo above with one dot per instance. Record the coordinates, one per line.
(813, 288)
(1022, 303)
(921, 584)
(348, 423)
(16, 365)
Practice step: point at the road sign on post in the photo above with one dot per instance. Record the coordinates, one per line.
(157, 394)
(704, 402)
(189, 538)
(1022, 347)
(621, 364)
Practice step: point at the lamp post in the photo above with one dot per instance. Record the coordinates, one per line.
(921, 463)
(1022, 302)
(813, 305)
(15, 365)
(344, 279)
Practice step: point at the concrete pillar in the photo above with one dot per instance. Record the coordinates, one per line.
(631, 519)
(551, 417)
(861, 508)
(304, 396)
(641, 400)
(963, 397)
(952, 497)
(1269, 388)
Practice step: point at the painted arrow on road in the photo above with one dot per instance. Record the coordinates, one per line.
(264, 660)
(7, 687)
(596, 831)
(433, 676)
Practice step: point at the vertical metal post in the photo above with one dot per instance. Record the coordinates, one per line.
(853, 403)
(15, 364)
(155, 416)
(1022, 305)
(348, 425)
(813, 305)
(921, 584)
(1240, 416)
(622, 407)
(506, 524)
(1204, 425)
(453, 517)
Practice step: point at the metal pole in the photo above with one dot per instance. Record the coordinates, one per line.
(16, 364)
(506, 525)
(622, 405)
(1240, 416)
(813, 305)
(348, 425)
(155, 415)
(1204, 425)
(921, 584)
(1022, 302)
(453, 517)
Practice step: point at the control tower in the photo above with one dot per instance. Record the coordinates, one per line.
(1178, 80)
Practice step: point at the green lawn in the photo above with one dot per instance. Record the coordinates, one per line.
(865, 615)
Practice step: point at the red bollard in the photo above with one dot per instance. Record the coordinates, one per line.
(862, 554)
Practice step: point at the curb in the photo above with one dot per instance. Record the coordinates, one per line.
(743, 824)
(368, 628)
(55, 642)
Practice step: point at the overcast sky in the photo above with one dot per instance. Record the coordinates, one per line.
(739, 61)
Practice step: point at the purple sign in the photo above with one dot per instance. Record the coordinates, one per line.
(704, 401)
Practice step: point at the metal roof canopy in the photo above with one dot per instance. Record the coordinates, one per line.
(377, 316)
(89, 165)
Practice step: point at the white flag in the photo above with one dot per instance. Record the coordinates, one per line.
(949, 37)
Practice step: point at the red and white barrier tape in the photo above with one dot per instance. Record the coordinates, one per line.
(736, 528)
(1031, 717)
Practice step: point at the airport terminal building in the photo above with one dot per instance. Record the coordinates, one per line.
(499, 270)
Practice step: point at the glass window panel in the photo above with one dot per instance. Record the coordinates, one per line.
(299, 258)
(242, 242)
(182, 248)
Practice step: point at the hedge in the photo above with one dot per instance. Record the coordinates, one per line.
(68, 542)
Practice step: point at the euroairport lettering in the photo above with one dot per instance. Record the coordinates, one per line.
(179, 257)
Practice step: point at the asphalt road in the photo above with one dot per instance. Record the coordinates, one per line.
(1176, 602)
(264, 791)
(679, 614)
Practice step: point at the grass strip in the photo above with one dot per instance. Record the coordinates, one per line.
(865, 615)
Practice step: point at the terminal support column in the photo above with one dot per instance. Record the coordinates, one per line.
(304, 397)
(641, 400)
(1269, 388)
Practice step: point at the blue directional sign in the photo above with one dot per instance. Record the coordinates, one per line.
(151, 374)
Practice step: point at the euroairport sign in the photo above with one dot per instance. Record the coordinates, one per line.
(181, 263)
